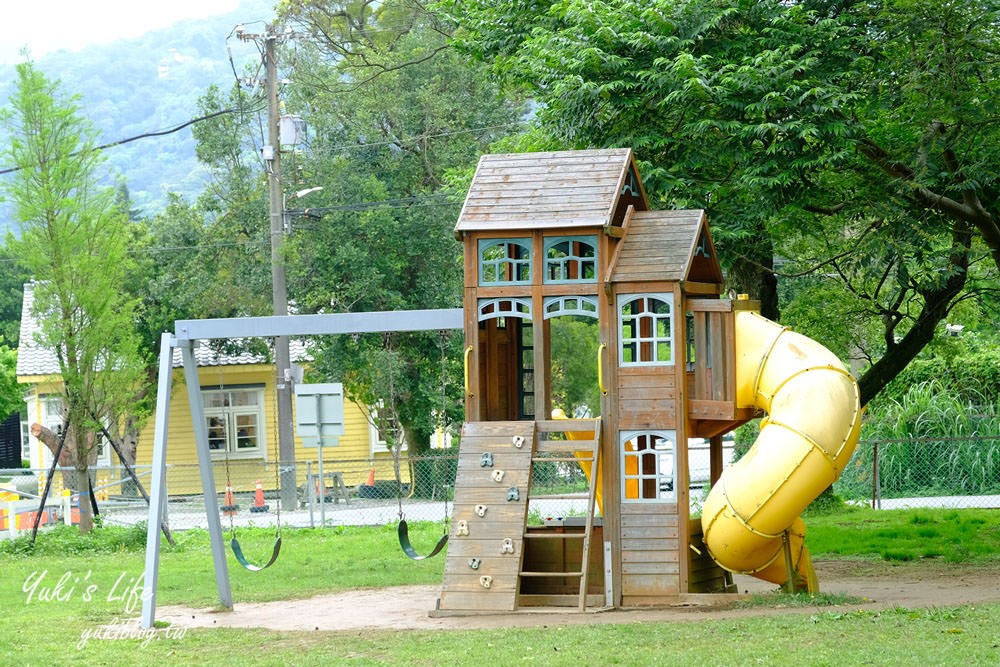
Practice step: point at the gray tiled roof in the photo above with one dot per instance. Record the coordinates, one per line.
(33, 359)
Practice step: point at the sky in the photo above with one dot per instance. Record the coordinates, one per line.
(45, 26)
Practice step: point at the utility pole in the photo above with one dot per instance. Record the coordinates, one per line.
(279, 290)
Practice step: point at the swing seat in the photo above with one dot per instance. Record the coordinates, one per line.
(242, 560)
(404, 542)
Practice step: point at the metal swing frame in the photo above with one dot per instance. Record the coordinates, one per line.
(186, 335)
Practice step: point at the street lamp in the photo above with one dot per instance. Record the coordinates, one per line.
(295, 195)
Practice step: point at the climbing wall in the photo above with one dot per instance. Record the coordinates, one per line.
(491, 501)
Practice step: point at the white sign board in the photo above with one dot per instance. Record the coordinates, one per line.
(319, 414)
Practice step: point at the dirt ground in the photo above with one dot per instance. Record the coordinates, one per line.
(925, 584)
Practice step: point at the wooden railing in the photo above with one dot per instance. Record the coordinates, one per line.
(711, 359)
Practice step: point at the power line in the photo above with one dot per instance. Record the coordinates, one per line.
(158, 133)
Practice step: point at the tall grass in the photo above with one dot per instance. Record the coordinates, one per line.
(939, 463)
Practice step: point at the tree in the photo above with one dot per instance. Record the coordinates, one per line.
(795, 124)
(10, 392)
(73, 240)
(393, 112)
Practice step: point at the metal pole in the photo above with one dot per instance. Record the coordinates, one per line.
(786, 546)
(157, 487)
(874, 472)
(310, 493)
(207, 476)
(279, 289)
(322, 486)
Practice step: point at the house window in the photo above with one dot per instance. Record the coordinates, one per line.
(504, 261)
(25, 442)
(376, 437)
(571, 259)
(644, 330)
(235, 421)
(649, 471)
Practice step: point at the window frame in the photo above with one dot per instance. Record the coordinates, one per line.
(229, 413)
(560, 303)
(376, 444)
(523, 242)
(552, 241)
(638, 340)
(659, 475)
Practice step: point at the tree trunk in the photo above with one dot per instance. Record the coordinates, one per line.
(50, 439)
(752, 273)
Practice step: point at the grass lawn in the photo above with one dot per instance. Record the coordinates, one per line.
(47, 631)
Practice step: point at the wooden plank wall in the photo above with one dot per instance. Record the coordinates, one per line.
(650, 563)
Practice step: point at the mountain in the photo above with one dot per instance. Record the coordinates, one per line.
(151, 83)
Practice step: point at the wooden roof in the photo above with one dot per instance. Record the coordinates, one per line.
(664, 245)
(519, 191)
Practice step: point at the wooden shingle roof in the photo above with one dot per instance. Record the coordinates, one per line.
(519, 191)
(663, 245)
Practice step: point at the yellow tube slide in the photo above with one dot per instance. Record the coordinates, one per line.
(811, 429)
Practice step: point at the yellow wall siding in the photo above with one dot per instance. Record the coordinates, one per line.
(183, 476)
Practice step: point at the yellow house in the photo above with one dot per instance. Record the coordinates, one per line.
(239, 398)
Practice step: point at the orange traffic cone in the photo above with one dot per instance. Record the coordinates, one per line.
(230, 507)
(371, 477)
(258, 500)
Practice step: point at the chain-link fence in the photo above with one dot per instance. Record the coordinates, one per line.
(960, 472)
(957, 472)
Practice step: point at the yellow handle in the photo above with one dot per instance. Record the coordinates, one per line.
(468, 351)
(600, 369)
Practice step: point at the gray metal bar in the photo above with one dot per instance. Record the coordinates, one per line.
(207, 474)
(157, 496)
(310, 493)
(308, 325)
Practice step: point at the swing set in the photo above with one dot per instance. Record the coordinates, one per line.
(187, 334)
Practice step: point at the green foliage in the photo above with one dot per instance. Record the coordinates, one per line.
(395, 115)
(150, 83)
(574, 365)
(73, 240)
(782, 599)
(11, 395)
(801, 128)
(65, 541)
(938, 463)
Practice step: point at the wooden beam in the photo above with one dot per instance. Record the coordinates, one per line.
(692, 287)
(618, 251)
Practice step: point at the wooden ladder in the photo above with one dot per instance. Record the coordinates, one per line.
(571, 451)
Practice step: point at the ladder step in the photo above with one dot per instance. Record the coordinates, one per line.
(561, 459)
(552, 574)
(556, 536)
(565, 446)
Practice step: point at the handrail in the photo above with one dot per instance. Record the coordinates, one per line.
(468, 351)
(600, 368)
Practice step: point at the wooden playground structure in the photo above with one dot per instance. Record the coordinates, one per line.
(571, 233)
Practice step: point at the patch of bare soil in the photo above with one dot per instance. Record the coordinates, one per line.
(923, 584)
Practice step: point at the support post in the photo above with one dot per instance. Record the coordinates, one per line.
(786, 547)
(279, 290)
(310, 493)
(12, 518)
(322, 486)
(207, 475)
(158, 497)
(67, 505)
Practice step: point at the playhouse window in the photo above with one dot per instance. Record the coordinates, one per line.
(571, 259)
(504, 261)
(644, 330)
(570, 305)
(649, 471)
(504, 308)
(235, 421)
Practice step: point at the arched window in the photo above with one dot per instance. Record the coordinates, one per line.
(649, 466)
(500, 308)
(504, 261)
(571, 259)
(644, 329)
(570, 305)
